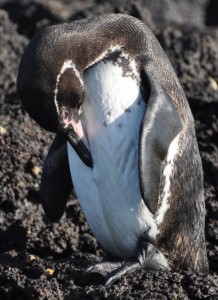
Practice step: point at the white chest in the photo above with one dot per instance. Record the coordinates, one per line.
(109, 193)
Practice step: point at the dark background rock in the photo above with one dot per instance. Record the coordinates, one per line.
(30, 245)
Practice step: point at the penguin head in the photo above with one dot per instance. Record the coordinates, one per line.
(51, 91)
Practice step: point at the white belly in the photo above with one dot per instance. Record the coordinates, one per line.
(109, 193)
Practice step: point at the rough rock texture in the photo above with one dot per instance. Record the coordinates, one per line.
(31, 247)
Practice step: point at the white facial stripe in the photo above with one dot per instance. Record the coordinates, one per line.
(167, 173)
(104, 54)
(68, 64)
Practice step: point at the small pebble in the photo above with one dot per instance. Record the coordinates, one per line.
(2, 130)
(31, 257)
(213, 83)
(36, 170)
(49, 272)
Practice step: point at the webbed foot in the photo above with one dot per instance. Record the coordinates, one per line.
(148, 257)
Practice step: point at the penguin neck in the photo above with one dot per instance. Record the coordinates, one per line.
(112, 101)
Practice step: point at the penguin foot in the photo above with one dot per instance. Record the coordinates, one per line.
(125, 269)
(113, 270)
(148, 257)
(103, 268)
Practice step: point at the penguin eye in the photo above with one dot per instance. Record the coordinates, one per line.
(64, 114)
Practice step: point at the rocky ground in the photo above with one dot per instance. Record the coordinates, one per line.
(43, 260)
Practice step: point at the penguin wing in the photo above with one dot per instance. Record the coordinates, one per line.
(160, 125)
(56, 183)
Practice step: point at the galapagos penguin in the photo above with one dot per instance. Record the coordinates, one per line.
(122, 122)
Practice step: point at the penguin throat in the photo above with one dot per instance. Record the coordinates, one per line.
(110, 95)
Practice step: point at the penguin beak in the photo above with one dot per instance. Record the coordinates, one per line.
(70, 125)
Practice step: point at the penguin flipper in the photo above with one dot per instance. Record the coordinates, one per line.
(160, 125)
(56, 183)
